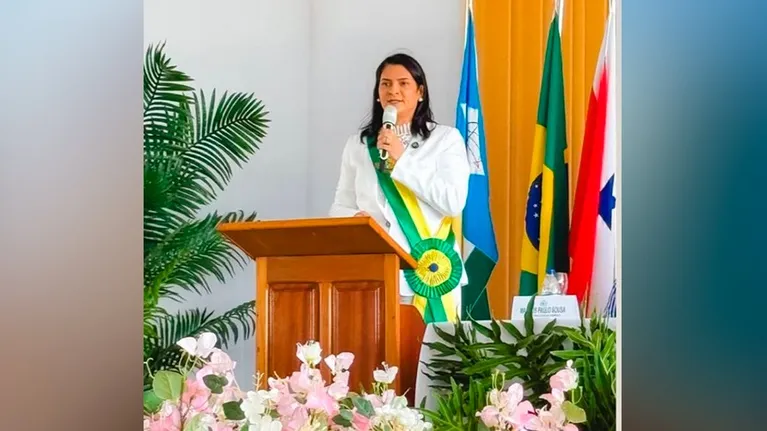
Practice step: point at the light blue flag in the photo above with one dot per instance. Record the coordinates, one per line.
(480, 249)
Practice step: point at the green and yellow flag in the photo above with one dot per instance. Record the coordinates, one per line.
(545, 242)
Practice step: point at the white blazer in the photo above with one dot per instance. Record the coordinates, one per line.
(435, 170)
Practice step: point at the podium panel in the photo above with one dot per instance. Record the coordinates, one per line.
(300, 304)
(339, 301)
(336, 281)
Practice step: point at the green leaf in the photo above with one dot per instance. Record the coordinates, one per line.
(165, 354)
(487, 332)
(152, 402)
(446, 336)
(573, 413)
(578, 338)
(195, 424)
(168, 385)
(245, 427)
(511, 329)
(441, 347)
(233, 411)
(496, 329)
(344, 418)
(526, 341)
(568, 354)
(529, 323)
(549, 326)
(215, 383)
(364, 407)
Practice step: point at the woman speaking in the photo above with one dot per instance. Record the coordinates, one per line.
(411, 175)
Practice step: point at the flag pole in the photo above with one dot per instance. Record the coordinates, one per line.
(467, 12)
(559, 10)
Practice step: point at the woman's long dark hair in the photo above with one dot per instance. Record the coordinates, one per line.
(422, 116)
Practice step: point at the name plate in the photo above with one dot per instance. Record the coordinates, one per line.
(546, 307)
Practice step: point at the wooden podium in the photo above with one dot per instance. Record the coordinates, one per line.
(336, 281)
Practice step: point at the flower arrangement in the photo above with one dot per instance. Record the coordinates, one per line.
(203, 395)
(507, 410)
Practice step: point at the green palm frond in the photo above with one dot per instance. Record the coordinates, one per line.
(187, 258)
(184, 180)
(191, 143)
(165, 97)
(229, 327)
(237, 323)
(227, 130)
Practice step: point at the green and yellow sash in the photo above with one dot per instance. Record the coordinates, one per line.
(439, 267)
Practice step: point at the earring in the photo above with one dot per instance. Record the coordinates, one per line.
(421, 99)
(378, 100)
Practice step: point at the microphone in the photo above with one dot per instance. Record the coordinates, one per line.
(389, 119)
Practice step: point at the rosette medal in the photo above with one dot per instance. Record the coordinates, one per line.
(439, 267)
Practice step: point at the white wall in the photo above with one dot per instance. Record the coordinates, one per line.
(312, 62)
(349, 40)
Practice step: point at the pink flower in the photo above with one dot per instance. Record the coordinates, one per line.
(279, 384)
(555, 398)
(195, 395)
(565, 379)
(168, 419)
(338, 390)
(305, 380)
(489, 416)
(296, 420)
(221, 363)
(375, 400)
(513, 396)
(319, 399)
(360, 422)
(522, 414)
(286, 404)
(547, 420)
(340, 387)
(231, 393)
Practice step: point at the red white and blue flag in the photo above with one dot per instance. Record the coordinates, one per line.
(592, 236)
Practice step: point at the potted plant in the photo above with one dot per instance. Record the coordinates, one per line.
(191, 144)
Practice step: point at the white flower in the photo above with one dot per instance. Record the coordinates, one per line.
(201, 347)
(386, 375)
(254, 405)
(207, 421)
(265, 423)
(399, 418)
(309, 353)
(339, 364)
(270, 395)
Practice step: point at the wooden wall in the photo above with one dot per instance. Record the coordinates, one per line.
(511, 37)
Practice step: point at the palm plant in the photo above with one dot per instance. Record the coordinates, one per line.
(190, 145)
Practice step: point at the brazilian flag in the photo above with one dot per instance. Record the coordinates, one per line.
(545, 242)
